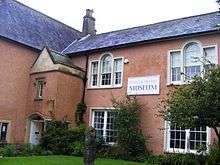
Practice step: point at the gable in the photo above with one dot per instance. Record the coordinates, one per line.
(46, 63)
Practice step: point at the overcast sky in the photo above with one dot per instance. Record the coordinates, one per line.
(120, 14)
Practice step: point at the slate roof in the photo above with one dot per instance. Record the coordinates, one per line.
(163, 30)
(32, 28)
(59, 58)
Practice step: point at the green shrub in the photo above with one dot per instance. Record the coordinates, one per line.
(179, 159)
(59, 139)
(8, 150)
(213, 157)
(129, 135)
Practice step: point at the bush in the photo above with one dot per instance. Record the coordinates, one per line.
(179, 159)
(130, 138)
(59, 139)
(214, 155)
(8, 150)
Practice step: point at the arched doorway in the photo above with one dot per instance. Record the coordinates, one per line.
(37, 124)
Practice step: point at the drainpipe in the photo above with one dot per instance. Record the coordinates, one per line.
(85, 80)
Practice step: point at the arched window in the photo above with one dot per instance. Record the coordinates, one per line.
(106, 70)
(192, 54)
(192, 60)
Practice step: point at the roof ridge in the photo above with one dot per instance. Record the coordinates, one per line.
(68, 26)
(156, 23)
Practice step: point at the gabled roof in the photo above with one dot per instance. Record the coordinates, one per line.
(32, 28)
(59, 58)
(158, 31)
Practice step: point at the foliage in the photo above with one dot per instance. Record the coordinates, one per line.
(195, 104)
(179, 159)
(59, 139)
(214, 155)
(8, 150)
(60, 160)
(81, 109)
(129, 136)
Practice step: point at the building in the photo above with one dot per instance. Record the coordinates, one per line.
(44, 64)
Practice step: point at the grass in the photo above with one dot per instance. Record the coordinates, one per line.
(60, 160)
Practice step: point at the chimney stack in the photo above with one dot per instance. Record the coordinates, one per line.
(88, 23)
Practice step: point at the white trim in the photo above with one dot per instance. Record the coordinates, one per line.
(101, 109)
(99, 86)
(186, 150)
(183, 81)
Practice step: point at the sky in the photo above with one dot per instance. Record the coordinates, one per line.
(120, 14)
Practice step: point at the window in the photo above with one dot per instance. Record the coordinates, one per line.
(117, 71)
(186, 140)
(107, 72)
(104, 124)
(192, 60)
(94, 78)
(39, 88)
(4, 130)
(192, 57)
(175, 66)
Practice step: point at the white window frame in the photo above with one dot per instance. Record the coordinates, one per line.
(99, 85)
(186, 150)
(90, 72)
(101, 109)
(169, 72)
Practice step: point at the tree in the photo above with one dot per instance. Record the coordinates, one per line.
(130, 138)
(196, 104)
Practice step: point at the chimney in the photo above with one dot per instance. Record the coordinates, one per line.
(88, 23)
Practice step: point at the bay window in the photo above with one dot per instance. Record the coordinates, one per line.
(106, 72)
(104, 124)
(189, 62)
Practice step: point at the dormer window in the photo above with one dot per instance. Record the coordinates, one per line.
(106, 72)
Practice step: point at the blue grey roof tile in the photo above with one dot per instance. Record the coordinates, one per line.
(32, 28)
(163, 30)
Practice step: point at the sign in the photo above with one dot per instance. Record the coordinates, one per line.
(149, 85)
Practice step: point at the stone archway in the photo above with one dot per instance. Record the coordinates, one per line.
(36, 127)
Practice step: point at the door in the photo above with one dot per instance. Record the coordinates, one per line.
(36, 128)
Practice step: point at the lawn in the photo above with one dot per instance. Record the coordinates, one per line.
(59, 160)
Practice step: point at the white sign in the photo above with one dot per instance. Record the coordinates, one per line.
(149, 85)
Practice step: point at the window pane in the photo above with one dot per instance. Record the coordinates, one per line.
(176, 74)
(4, 128)
(198, 137)
(192, 54)
(210, 55)
(175, 59)
(177, 137)
(110, 128)
(106, 64)
(99, 122)
(175, 66)
(106, 79)
(192, 71)
(118, 65)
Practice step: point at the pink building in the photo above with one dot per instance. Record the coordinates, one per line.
(47, 68)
